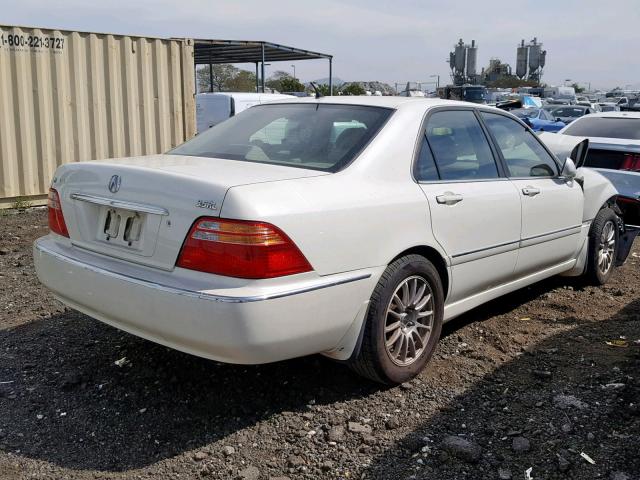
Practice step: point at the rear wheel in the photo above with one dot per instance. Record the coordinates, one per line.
(403, 323)
(603, 247)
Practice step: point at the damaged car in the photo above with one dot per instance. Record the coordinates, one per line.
(352, 227)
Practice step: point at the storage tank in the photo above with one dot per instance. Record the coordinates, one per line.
(543, 58)
(521, 60)
(534, 55)
(472, 55)
(460, 56)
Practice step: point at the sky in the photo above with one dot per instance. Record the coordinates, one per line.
(588, 41)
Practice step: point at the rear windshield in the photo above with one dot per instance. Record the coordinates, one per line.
(568, 112)
(314, 136)
(609, 127)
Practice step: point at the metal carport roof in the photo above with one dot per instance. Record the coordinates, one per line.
(211, 52)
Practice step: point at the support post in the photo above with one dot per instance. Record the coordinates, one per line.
(262, 67)
(257, 79)
(211, 77)
(330, 75)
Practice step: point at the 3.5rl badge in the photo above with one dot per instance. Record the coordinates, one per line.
(207, 204)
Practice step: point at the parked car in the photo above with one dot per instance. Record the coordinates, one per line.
(553, 101)
(568, 114)
(614, 151)
(213, 108)
(270, 236)
(538, 119)
(609, 107)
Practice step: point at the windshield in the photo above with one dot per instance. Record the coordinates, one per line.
(568, 112)
(608, 127)
(311, 135)
(526, 113)
(475, 94)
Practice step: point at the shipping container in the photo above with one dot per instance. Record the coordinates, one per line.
(69, 96)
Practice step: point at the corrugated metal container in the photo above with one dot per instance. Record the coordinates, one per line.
(72, 96)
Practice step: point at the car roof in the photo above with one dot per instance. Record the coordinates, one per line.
(376, 101)
(616, 115)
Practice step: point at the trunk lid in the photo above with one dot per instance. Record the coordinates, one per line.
(141, 208)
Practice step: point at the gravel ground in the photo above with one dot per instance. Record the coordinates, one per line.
(526, 381)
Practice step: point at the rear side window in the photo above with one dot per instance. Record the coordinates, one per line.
(459, 146)
(522, 152)
(425, 170)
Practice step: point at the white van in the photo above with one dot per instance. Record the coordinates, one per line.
(213, 108)
(561, 93)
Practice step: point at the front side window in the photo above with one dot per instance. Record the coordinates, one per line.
(460, 148)
(306, 135)
(522, 152)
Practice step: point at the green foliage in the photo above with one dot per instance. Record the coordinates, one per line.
(283, 82)
(21, 203)
(352, 89)
(290, 84)
(225, 78)
(323, 89)
(243, 81)
(577, 88)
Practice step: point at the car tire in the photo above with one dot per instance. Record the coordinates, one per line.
(399, 338)
(603, 247)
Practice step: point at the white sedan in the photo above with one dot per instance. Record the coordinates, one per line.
(352, 227)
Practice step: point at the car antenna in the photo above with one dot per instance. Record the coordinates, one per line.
(316, 89)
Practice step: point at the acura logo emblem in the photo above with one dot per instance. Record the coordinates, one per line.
(114, 183)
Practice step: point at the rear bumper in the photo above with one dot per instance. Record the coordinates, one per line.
(257, 322)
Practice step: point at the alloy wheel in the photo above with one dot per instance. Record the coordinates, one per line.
(409, 321)
(606, 248)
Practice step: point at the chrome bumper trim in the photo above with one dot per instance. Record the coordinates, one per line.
(111, 202)
(320, 284)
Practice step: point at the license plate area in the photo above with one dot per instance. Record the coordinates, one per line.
(122, 228)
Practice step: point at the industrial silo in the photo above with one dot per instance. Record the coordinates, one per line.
(460, 57)
(472, 56)
(521, 60)
(534, 56)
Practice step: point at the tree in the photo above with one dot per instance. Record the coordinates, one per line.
(225, 78)
(244, 81)
(322, 88)
(290, 84)
(353, 89)
(283, 82)
(221, 75)
(577, 88)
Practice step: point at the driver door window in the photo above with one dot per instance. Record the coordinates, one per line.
(522, 152)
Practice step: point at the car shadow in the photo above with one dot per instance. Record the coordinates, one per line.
(70, 403)
(520, 399)
(83, 395)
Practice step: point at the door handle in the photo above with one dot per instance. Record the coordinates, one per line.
(530, 191)
(449, 198)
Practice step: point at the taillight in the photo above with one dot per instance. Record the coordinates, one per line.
(56, 219)
(239, 248)
(631, 162)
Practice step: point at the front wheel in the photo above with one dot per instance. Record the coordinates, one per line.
(403, 323)
(603, 247)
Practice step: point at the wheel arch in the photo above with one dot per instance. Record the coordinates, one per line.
(435, 257)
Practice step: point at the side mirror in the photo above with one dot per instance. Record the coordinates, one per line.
(569, 169)
(558, 119)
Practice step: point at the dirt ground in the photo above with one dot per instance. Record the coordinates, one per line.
(524, 382)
